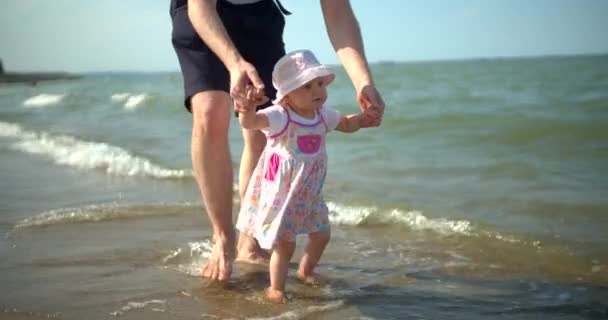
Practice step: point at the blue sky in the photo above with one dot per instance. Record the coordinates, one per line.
(134, 35)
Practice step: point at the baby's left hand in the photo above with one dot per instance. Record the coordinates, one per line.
(369, 118)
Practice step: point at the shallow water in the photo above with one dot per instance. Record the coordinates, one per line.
(482, 195)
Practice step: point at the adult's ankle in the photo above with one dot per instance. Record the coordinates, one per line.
(227, 234)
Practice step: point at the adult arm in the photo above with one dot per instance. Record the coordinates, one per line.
(345, 36)
(208, 25)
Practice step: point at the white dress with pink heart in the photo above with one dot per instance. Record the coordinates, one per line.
(284, 196)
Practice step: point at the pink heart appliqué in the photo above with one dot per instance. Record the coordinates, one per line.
(309, 143)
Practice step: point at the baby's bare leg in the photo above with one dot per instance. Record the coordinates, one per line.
(312, 254)
(279, 263)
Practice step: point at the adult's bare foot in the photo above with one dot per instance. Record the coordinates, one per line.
(275, 296)
(249, 251)
(219, 266)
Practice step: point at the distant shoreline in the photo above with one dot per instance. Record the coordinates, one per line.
(491, 58)
(35, 77)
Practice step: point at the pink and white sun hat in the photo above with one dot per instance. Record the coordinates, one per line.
(295, 69)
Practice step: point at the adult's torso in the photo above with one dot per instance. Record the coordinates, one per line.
(179, 3)
(243, 1)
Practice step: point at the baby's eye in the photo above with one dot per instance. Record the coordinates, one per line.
(307, 86)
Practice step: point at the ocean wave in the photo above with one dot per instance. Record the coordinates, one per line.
(69, 151)
(120, 97)
(158, 306)
(43, 100)
(11, 130)
(92, 214)
(417, 221)
(135, 101)
(306, 312)
(339, 215)
(358, 216)
(131, 101)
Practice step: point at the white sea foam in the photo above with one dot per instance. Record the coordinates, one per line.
(134, 305)
(199, 251)
(417, 221)
(306, 312)
(69, 151)
(119, 97)
(65, 215)
(134, 101)
(360, 216)
(349, 215)
(131, 101)
(43, 100)
(172, 255)
(10, 130)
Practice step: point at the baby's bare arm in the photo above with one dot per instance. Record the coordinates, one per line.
(252, 120)
(354, 122)
(350, 123)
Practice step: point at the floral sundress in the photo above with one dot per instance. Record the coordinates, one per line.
(284, 196)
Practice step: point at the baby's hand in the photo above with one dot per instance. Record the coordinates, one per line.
(242, 107)
(253, 99)
(369, 118)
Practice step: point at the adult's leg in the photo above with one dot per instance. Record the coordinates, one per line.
(248, 249)
(254, 142)
(212, 167)
(263, 47)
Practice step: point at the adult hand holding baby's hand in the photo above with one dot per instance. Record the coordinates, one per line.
(250, 100)
(241, 108)
(370, 100)
(370, 117)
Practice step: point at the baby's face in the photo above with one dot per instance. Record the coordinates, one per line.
(311, 96)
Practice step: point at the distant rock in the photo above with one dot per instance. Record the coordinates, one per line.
(35, 77)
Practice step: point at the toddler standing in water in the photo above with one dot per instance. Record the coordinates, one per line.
(284, 196)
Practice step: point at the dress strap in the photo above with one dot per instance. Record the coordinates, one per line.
(286, 125)
(323, 120)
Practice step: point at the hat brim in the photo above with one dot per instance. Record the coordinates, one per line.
(310, 74)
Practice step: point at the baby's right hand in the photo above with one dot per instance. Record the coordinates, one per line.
(252, 100)
(242, 108)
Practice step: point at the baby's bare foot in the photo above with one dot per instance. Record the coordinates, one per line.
(275, 296)
(313, 279)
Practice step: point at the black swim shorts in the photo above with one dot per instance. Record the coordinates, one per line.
(256, 30)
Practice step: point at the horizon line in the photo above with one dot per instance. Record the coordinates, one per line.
(378, 62)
